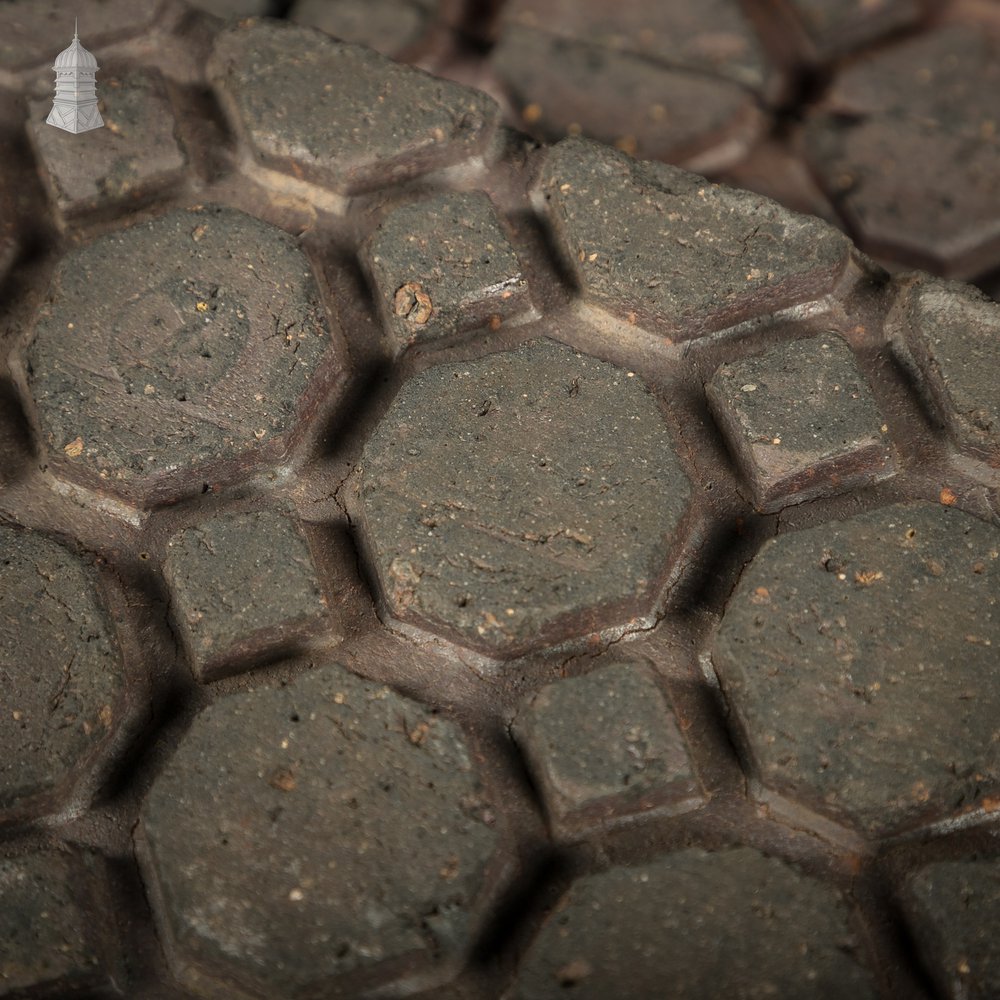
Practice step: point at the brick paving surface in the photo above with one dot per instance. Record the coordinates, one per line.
(371, 631)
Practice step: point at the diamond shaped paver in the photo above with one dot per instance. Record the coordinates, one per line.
(175, 350)
(442, 265)
(854, 657)
(348, 118)
(953, 333)
(954, 910)
(605, 745)
(60, 669)
(927, 101)
(317, 838)
(524, 497)
(692, 925)
(800, 421)
(242, 584)
(48, 945)
(137, 151)
(667, 249)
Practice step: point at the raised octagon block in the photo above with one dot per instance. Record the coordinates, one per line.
(50, 926)
(188, 348)
(953, 908)
(136, 153)
(323, 838)
(348, 119)
(61, 669)
(856, 659)
(697, 924)
(623, 97)
(388, 26)
(666, 249)
(928, 100)
(526, 497)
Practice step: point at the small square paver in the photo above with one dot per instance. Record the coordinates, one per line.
(801, 422)
(445, 265)
(243, 585)
(135, 153)
(605, 745)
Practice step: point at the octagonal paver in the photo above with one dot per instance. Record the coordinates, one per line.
(36, 31)
(136, 153)
(665, 80)
(856, 658)
(48, 925)
(713, 37)
(953, 908)
(388, 26)
(695, 924)
(521, 498)
(61, 671)
(605, 745)
(928, 100)
(348, 118)
(232, 8)
(175, 350)
(329, 828)
(800, 421)
(953, 333)
(442, 265)
(732, 254)
(836, 26)
(243, 584)
(562, 85)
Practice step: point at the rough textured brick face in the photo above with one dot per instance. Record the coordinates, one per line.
(322, 829)
(349, 118)
(521, 498)
(852, 657)
(928, 101)
(47, 945)
(731, 254)
(605, 744)
(442, 265)
(834, 26)
(562, 84)
(800, 421)
(954, 910)
(36, 30)
(953, 333)
(187, 340)
(388, 26)
(713, 37)
(61, 669)
(694, 924)
(242, 583)
(135, 153)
